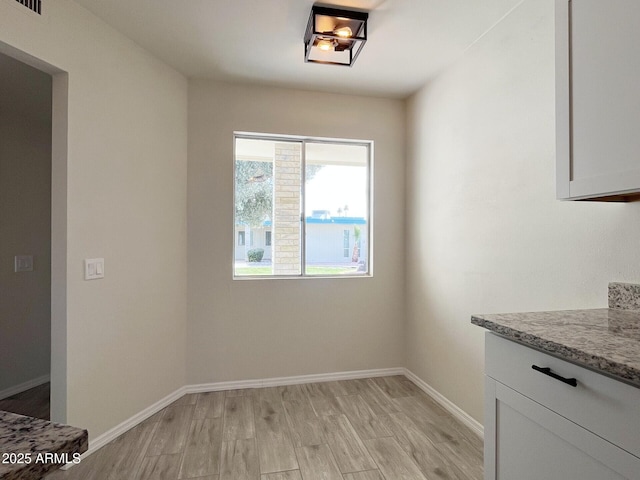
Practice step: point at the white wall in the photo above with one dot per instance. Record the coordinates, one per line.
(123, 338)
(485, 231)
(252, 329)
(25, 222)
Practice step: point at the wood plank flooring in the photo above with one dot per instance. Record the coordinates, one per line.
(33, 402)
(382, 428)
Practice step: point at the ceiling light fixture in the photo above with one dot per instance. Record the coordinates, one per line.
(334, 36)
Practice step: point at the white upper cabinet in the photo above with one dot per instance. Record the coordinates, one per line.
(598, 99)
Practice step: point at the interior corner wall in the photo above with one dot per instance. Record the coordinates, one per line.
(25, 222)
(255, 329)
(485, 232)
(126, 166)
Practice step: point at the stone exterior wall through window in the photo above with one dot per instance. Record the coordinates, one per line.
(286, 251)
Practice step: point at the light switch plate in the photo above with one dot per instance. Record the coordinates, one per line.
(93, 268)
(23, 263)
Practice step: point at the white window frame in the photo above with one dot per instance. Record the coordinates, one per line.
(303, 140)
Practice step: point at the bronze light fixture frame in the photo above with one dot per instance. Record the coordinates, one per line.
(353, 44)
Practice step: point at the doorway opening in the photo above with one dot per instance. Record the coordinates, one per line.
(33, 158)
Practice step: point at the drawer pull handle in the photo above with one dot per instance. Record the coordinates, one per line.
(547, 371)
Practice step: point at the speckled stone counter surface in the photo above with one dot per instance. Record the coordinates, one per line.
(606, 340)
(30, 436)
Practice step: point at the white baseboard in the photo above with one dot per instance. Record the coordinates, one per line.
(294, 380)
(128, 424)
(110, 435)
(23, 387)
(447, 404)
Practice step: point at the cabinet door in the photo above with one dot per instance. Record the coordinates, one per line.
(526, 441)
(598, 99)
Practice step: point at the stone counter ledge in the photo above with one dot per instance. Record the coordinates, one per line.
(28, 437)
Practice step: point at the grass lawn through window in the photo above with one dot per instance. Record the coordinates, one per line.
(311, 270)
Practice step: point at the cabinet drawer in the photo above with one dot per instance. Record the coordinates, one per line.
(602, 405)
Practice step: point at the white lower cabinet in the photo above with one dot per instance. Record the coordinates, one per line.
(526, 437)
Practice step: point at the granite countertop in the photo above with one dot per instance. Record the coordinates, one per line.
(606, 340)
(30, 439)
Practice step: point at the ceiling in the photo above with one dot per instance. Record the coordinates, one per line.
(260, 41)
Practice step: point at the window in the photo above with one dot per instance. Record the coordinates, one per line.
(345, 242)
(309, 199)
(241, 238)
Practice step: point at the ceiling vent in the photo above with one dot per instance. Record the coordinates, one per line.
(33, 5)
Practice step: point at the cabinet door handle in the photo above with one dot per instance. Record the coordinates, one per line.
(547, 371)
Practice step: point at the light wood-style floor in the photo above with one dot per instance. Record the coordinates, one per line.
(33, 402)
(371, 429)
